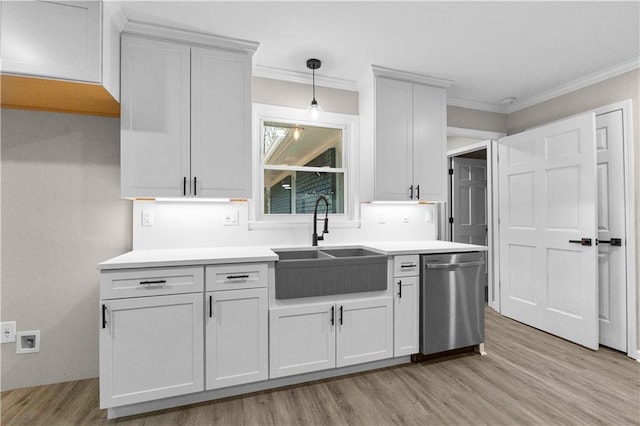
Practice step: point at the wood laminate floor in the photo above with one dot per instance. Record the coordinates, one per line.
(527, 377)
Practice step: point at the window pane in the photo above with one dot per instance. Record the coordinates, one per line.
(288, 192)
(287, 144)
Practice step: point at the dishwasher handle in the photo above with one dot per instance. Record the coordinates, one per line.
(453, 265)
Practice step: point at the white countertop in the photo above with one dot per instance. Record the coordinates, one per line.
(192, 256)
(391, 248)
(216, 255)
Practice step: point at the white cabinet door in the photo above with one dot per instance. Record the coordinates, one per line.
(429, 143)
(150, 348)
(236, 337)
(155, 111)
(302, 339)
(365, 331)
(52, 39)
(406, 316)
(220, 123)
(394, 140)
(547, 207)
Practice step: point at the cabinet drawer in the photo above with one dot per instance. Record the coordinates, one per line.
(236, 276)
(151, 282)
(407, 265)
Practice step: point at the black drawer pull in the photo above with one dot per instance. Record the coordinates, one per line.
(341, 315)
(582, 241)
(400, 289)
(616, 242)
(210, 306)
(153, 282)
(104, 316)
(418, 191)
(333, 315)
(184, 187)
(408, 266)
(236, 277)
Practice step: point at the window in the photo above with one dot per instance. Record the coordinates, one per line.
(301, 160)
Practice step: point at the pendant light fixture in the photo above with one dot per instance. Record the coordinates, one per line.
(314, 109)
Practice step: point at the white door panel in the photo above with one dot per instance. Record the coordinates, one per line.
(611, 258)
(469, 205)
(547, 198)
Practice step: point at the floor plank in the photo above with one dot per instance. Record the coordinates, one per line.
(528, 377)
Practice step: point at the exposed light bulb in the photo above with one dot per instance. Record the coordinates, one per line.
(296, 133)
(314, 110)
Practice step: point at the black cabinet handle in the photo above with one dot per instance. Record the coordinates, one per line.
(413, 265)
(341, 315)
(616, 242)
(582, 241)
(104, 316)
(333, 315)
(400, 289)
(418, 191)
(210, 306)
(235, 277)
(195, 186)
(184, 187)
(153, 282)
(411, 192)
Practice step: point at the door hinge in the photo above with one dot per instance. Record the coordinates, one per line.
(451, 171)
(450, 220)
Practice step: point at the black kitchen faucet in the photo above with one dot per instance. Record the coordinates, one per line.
(315, 236)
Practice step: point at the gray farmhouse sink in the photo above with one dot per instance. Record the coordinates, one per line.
(323, 272)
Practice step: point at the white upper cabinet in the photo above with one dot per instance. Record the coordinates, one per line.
(220, 123)
(155, 157)
(52, 39)
(186, 115)
(410, 137)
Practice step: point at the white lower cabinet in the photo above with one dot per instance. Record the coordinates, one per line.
(314, 337)
(302, 339)
(150, 348)
(236, 337)
(406, 315)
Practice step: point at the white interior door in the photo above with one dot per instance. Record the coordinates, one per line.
(611, 231)
(469, 204)
(547, 191)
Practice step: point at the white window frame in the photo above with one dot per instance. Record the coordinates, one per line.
(350, 149)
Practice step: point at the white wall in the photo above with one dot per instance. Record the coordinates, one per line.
(61, 215)
(199, 224)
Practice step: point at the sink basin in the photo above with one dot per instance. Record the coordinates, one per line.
(350, 252)
(302, 254)
(322, 272)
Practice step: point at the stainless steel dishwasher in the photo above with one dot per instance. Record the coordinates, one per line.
(451, 301)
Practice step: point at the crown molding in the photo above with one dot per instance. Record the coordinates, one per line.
(191, 37)
(411, 77)
(482, 106)
(303, 78)
(594, 78)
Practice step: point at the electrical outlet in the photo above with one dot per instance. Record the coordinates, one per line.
(28, 342)
(405, 219)
(382, 218)
(8, 329)
(147, 217)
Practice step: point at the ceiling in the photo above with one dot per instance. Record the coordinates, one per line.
(491, 50)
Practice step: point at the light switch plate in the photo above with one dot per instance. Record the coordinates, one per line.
(230, 218)
(405, 219)
(382, 218)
